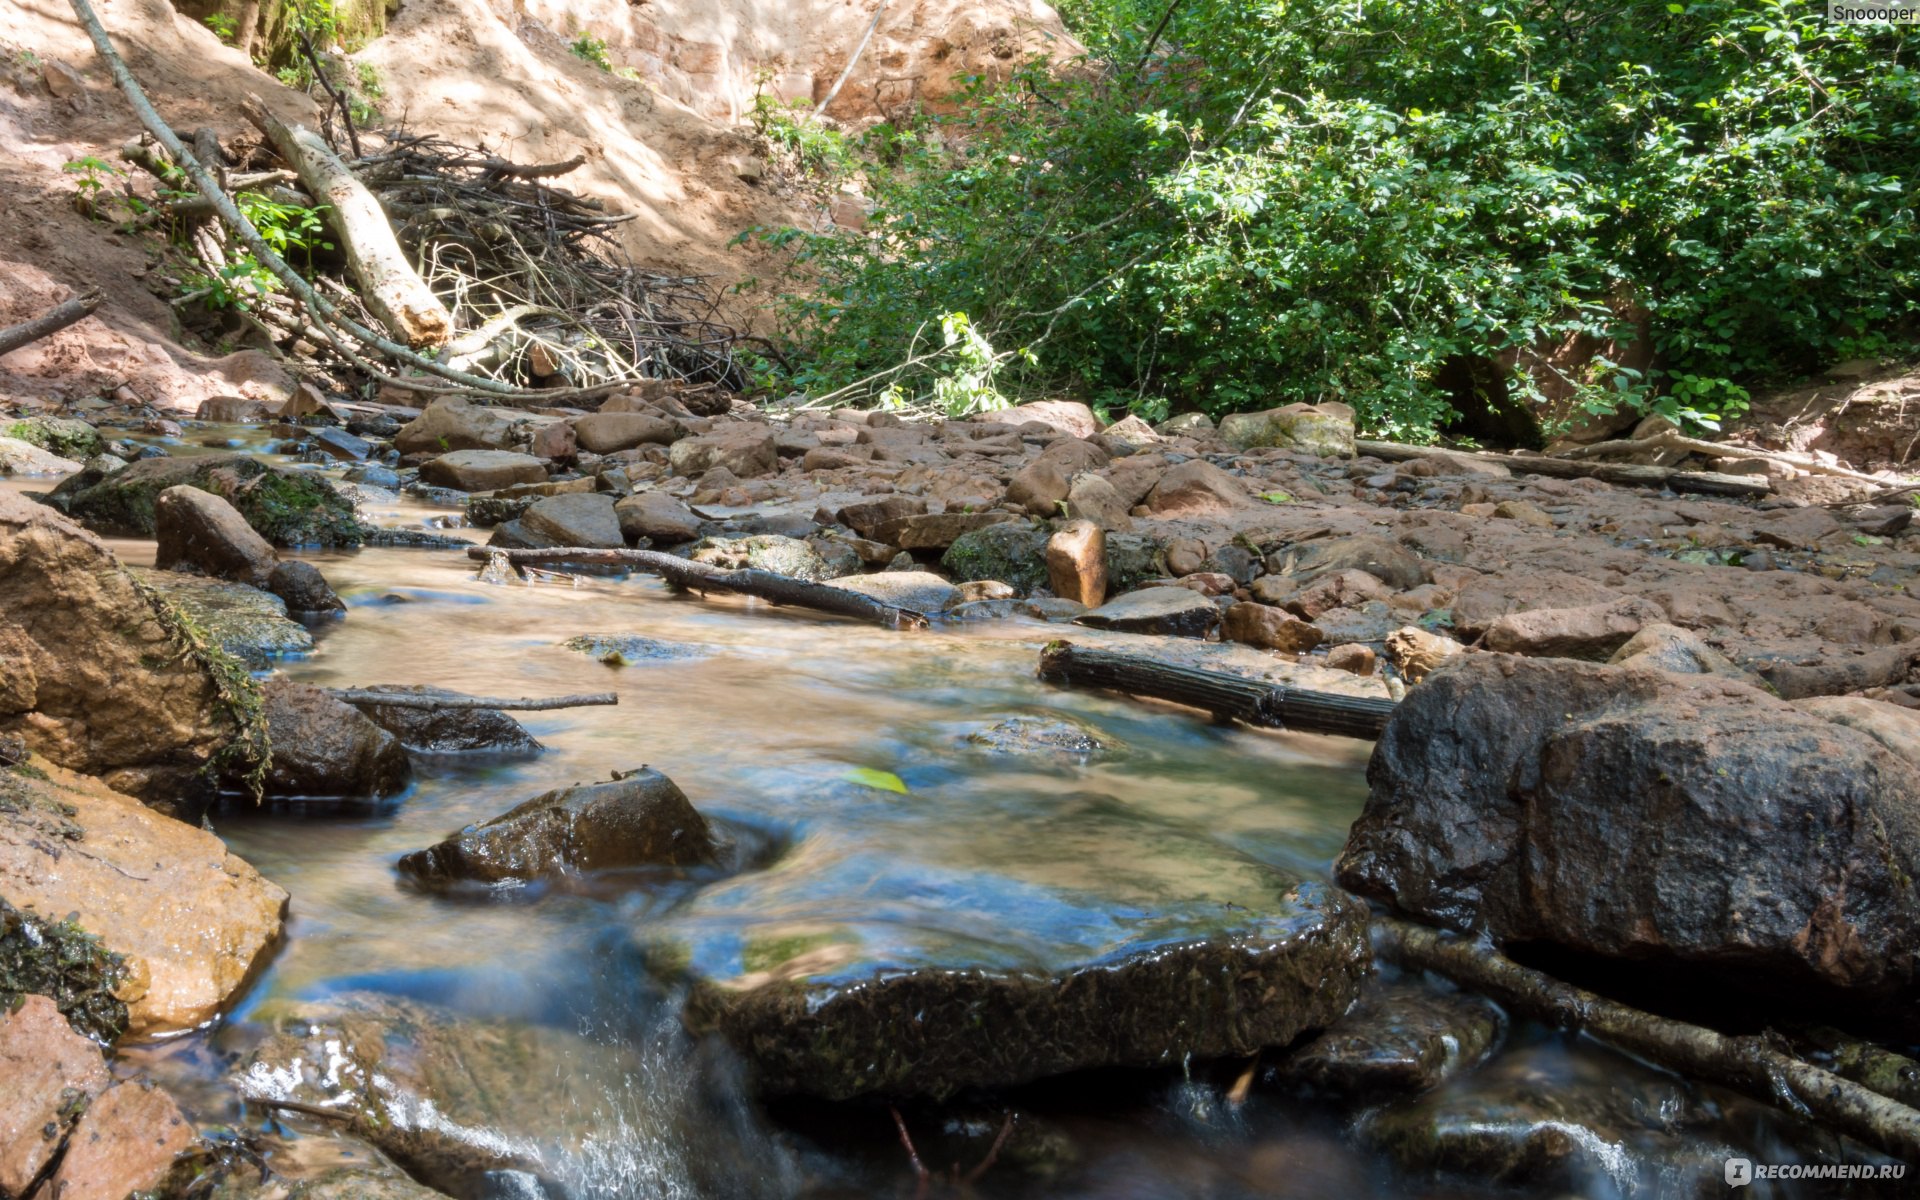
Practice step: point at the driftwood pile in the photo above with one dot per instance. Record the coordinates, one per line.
(455, 270)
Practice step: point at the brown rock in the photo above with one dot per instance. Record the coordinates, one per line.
(1273, 589)
(1670, 648)
(1040, 487)
(747, 449)
(1270, 628)
(556, 442)
(193, 921)
(482, 470)
(1064, 416)
(1184, 556)
(1341, 589)
(605, 432)
(229, 410)
(1593, 631)
(93, 676)
(1092, 498)
(450, 423)
(1524, 512)
(1796, 529)
(200, 531)
(657, 517)
(1352, 657)
(44, 1068)
(1196, 488)
(325, 748)
(125, 1143)
(831, 458)
(1174, 611)
(1133, 478)
(575, 519)
(1418, 652)
(1077, 563)
(935, 531)
(867, 516)
(1896, 728)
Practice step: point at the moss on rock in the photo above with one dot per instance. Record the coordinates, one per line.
(285, 507)
(1012, 553)
(64, 963)
(69, 439)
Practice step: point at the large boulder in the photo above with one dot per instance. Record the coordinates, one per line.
(1196, 488)
(288, 508)
(1069, 417)
(1325, 431)
(917, 591)
(574, 519)
(639, 819)
(192, 922)
(1176, 611)
(24, 458)
(324, 748)
(199, 531)
(607, 432)
(1014, 554)
(482, 470)
(250, 624)
(773, 552)
(100, 675)
(450, 423)
(656, 516)
(57, 435)
(1695, 826)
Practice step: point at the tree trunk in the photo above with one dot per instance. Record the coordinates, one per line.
(393, 290)
(52, 321)
(1705, 483)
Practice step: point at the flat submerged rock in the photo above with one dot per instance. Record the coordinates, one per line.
(863, 964)
(246, 622)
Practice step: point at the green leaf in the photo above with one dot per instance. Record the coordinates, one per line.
(880, 781)
(1276, 497)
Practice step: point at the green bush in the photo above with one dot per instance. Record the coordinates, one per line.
(1300, 200)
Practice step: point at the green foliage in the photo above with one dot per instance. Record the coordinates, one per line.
(293, 230)
(789, 128)
(224, 27)
(1323, 199)
(66, 964)
(590, 48)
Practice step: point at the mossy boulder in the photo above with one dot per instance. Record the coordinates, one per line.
(287, 508)
(1012, 553)
(60, 961)
(69, 439)
(764, 552)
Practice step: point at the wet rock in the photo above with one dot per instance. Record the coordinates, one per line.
(60, 436)
(125, 1143)
(199, 531)
(1323, 430)
(1351, 657)
(576, 519)
(656, 516)
(324, 748)
(250, 624)
(51, 1074)
(288, 508)
(1670, 648)
(94, 676)
(1418, 652)
(19, 458)
(1535, 1118)
(1077, 563)
(1012, 553)
(1270, 628)
(1595, 631)
(1038, 737)
(191, 921)
(1052, 608)
(936, 531)
(365, 1183)
(1393, 564)
(606, 433)
(920, 591)
(487, 512)
(747, 450)
(450, 424)
(1178, 611)
(482, 470)
(56, 960)
(449, 730)
(1092, 498)
(860, 1007)
(340, 445)
(1694, 826)
(1196, 488)
(303, 589)
(623, 651)
(1400, 1039)
(1132, 560)
(764, 552)
(639, 819)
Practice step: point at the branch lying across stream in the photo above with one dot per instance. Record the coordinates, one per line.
(444, 700)
(1254, 701)
(1749, 1065)
(699, 577)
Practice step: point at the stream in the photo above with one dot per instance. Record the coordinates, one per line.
(763, 717)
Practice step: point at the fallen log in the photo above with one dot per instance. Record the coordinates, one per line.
(52, 321)
(1251, 701)
(1675, 441)
(1749, 1065)
(1703, 483)
(444, 700)
(393, 290)
(699, 577)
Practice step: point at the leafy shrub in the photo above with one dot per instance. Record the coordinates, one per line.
(1323, 199)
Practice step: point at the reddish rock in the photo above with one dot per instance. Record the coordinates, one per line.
(44, 1068)
(125, 1143)
(555, 442)
(1077, 563)
(866, 517)
(605, 432)
(1270, 628)
(1592, 631)
(1092, 498)
(1064, 416)
(1341, 589)
(200, 531)
(1040, 487)
(1196, 488)
(482, 470)
(1352, 657)
(1524, 512)
(746, 448)
(935, 531)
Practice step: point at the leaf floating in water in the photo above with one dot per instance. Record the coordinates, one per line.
(883, 781)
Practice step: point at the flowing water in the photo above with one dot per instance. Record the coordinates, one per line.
(760, 722)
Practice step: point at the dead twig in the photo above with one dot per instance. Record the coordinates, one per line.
(920, 1171)
(454, 700)
(52, 321)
